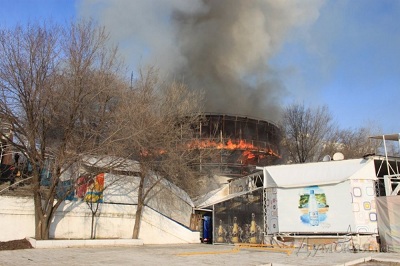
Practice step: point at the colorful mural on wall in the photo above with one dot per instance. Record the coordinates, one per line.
(90, 189)
(313, 206)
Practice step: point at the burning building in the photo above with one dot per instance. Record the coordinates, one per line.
(239, 143)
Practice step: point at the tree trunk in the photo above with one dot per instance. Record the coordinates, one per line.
(41, 225)
(41, 221)
(138, 218)
(92, 226)
(139, 210)
(44, 213)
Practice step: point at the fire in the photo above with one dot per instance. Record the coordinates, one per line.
(248, 148)
(250, 152)
(156, 152)
(249, 155)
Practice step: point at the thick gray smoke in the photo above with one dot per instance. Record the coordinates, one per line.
(219, 46)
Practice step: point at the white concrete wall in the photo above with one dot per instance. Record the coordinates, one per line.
(73, 220)
(17, 218)
(159, 229)
(164, 197)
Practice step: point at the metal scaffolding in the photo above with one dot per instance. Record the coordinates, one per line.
(388, 166)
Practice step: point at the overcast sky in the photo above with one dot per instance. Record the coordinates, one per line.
(343, 54)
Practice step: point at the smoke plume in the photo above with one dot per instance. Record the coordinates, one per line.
(220, 46)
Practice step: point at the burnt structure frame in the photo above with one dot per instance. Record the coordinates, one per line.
(233, 136)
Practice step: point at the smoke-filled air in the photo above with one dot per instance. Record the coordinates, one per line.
(221, 47)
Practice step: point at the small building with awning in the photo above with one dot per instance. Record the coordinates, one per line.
(322, 198)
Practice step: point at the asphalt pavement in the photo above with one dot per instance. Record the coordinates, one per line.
(188, 254)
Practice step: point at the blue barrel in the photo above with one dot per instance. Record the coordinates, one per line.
(207, 229)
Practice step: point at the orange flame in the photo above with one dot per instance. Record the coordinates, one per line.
(231, 145)
(249, 155)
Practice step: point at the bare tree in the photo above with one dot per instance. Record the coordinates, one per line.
(59, 87)
(162, 116)
(306, 132)
(63, 98)
(356, 143)
(94, 187)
